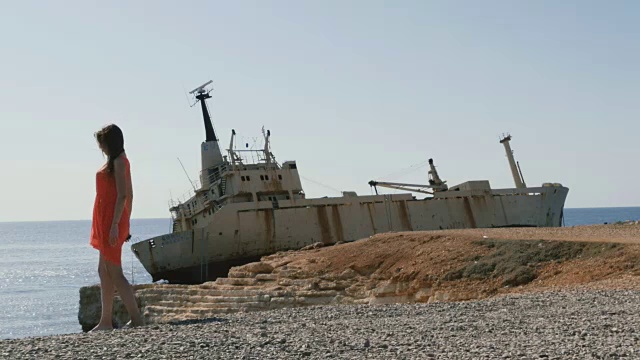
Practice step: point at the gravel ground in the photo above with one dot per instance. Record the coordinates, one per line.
(561, 325)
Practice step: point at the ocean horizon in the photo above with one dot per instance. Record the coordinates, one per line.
(595, 212)
(43, 265)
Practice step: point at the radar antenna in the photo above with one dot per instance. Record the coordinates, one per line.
(201, 89)
(201, 93)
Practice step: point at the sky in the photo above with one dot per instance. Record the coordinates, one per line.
(351, 90)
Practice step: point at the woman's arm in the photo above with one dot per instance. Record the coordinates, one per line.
(124, 197)
(130, 193)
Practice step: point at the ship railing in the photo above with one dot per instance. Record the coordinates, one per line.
(136, 239)
(188, 209)
(183, 211)
(182, 199)
(522, 191)
(252, 156)
(182, 207)
(213, 173)
(182, 202)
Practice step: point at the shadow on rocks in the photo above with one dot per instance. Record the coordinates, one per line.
(199, 321)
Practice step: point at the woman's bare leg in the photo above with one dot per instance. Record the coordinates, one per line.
(106, 295)
(126, 293)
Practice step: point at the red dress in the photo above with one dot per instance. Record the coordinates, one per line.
(103, 209)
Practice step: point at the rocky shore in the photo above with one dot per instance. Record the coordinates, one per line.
(405, 267)
(558, 293)
(579, 324)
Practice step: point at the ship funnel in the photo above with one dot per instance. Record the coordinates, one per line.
(210, 150)
(515, 168)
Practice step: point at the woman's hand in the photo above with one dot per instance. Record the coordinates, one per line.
(113, 235)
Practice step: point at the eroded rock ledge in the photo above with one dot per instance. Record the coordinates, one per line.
(387, 268)
(252, 288)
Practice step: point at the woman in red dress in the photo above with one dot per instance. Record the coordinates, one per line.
(110, 227)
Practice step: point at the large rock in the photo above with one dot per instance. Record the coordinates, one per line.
(91, 308)
(255, 267)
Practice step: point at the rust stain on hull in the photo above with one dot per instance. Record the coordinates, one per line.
(481, 206)
(373, 223)
(274, 184)
(323, 221)
(469, 213)
(504, 211)
(337, 222)
(269, 233)
(404, 215)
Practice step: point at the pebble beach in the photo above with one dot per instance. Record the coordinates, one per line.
(578, 324)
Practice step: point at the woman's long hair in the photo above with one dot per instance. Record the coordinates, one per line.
(112, 140)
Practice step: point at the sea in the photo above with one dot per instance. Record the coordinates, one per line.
(43, 265)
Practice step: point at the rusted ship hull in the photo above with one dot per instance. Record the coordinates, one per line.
(243, 232)
(200, 273)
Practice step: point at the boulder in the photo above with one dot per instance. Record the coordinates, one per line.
(254, 267)
(91, 309)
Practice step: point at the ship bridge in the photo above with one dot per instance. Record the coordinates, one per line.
(243, 176)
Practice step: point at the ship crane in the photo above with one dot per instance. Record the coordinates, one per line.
(435, 183)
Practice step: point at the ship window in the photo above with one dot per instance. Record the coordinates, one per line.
(287, 197)
(292, 166)
(266, 177)
(279, 177)
(261, 177)
(248, 178)
(242, 178)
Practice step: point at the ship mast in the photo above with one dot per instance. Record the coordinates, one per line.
(515, 167)
(210, 150)
(208, 127)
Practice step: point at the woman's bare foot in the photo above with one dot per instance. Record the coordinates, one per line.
(131, 324)
(101, 327)
(139, 322)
